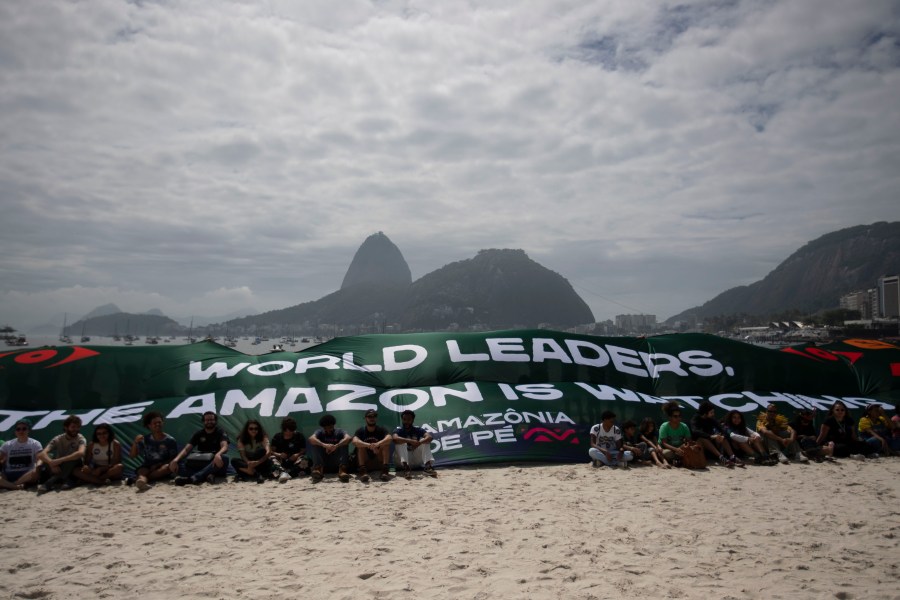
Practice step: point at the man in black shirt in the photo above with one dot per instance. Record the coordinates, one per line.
(289, 451)
(328, 450)
(373, 447)
(206, 453)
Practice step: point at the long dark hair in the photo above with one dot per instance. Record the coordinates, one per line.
(109, 440)
(245, 436)
(740, 428)
(847, 418)
(645, 425)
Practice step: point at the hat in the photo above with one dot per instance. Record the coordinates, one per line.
(371, 413)
(25, 422)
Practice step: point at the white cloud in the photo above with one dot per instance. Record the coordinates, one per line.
(238, 153)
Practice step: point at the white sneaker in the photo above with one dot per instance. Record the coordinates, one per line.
(141, 485)
(783, 459)
(801, 459)
(283, 477)
(857, 457)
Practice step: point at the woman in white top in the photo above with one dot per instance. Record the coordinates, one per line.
(103, 458)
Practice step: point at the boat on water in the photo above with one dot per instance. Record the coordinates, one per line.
(84, 338)
(63, 334)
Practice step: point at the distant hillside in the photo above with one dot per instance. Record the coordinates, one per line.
(815, 276)
(496, 289)
(122, 323)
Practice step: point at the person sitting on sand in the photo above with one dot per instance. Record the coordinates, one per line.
(253, 446)
(632, 442)
(412, 446)
(607, 443)
(745, 440)
(649, 436)
(839, 429)
(328, 450)
(289, 451)
(780, 439)
(673, 433)
(103, 457)
(807, 435)
(63, 455)
(877, 431)
(207, 453)
(373, 447)
(707, 432)
(19, 459)
(157, 450)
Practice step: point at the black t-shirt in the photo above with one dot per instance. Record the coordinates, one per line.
(802, 427)
(295, 445)
(208, 442)
(839, 433)
(370, 437)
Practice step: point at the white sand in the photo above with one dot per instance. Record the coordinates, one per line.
(548, 531)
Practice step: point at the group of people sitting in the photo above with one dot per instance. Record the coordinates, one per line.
(730, 441)
(69, 458)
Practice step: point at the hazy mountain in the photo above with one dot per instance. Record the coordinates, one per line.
(106, 309)
(815, 276)
(496, 289)
(126, 323)
(378, 261)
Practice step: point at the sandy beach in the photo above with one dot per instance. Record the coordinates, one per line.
(516, 531)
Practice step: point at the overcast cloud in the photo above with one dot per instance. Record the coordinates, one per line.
(203, 157)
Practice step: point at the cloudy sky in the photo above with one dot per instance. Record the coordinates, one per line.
(204, 157)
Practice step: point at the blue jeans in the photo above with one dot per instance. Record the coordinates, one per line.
(330, 462)
(209, 469)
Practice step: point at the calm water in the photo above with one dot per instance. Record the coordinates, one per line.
(245, 346)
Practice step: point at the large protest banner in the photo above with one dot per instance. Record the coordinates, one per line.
(487, 397)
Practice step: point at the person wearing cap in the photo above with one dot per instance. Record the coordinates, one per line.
(373, 447)
(412, 446)
(328, 450)
(19, 459)
(63, 455)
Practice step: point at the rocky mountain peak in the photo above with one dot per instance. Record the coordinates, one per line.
(377, 260)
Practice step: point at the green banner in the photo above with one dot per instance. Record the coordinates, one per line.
(487, 397)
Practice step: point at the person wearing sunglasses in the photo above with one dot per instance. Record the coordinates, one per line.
(19, 459)
(673, 434)
(839, 429)
(103, 457)
(255, 463)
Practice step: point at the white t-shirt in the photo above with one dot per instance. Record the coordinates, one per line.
(608, 440)
(20, 456)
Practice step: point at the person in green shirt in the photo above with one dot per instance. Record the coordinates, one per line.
(673, 433)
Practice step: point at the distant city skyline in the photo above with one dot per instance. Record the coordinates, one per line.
(202, 159)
